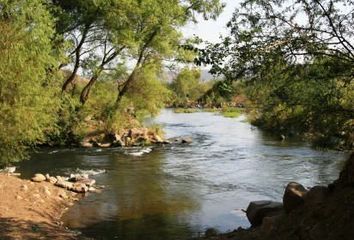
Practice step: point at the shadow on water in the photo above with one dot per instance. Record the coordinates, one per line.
(177, 192)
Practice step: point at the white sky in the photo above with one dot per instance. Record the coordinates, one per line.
(210, 30)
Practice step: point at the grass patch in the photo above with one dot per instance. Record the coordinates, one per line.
(186, 110)
(211, 109)
(231, 112)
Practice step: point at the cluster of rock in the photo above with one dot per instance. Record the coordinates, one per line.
(75, 183)
(127, 138)
(266, 213)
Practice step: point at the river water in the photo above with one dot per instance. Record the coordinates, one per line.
(176, 192)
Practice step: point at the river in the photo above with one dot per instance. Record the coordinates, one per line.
(177, 192)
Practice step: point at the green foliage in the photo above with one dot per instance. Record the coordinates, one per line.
(187, 87)
(98, 38)
(296, 60)
(147, 93)
(27, 96)
(306, 100)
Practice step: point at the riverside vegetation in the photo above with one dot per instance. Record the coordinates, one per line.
(121, 46)
(292, 78)
(91, 71)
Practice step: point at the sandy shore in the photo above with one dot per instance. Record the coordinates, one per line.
(31, 210)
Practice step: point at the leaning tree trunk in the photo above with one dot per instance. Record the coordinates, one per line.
(86, 91)
(125, 88)
(77, 59)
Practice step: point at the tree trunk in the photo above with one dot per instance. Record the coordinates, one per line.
(77, 59)
(86, 91)
(125, 88)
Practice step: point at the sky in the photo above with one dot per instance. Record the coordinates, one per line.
(210, 30)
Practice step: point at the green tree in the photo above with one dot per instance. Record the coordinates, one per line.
(27, 99)
(187, 86)
(296, 59)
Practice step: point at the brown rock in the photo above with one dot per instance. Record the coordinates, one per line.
(104, 145)
(258, 210)
(346, 176)
(87, 182)
(316, 195)
(79, 188)
(269, 223)
(86, 144)
(64, 184)
(38, 178)
(293, 196)
(52, 180)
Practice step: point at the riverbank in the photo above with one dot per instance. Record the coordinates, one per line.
(31, 210)
(320, 213)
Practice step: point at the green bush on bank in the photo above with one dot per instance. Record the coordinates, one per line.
(28, 98)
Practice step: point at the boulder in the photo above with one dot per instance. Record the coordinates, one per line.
(346, 176)
(86, 144)
(52, 180)
(9, 170)
(64, 184)
(38, 178)
(270, 223)
(104, 145)
(47, 176)
(258, 210)
(293, 196)
(316, 195)
(79, 188)
(187, 140)
(87, 182)
(94, 190)
(78, 177)
(180, 140)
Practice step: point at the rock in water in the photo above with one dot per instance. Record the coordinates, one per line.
(38, 178)
(293, 196)
(180, 140)
(79, 188)
(87, 182)
(258, 210)
(9, 169)
(64, 184)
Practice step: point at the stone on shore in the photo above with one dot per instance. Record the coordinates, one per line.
(316, 195)
(64, 184)
(258, 210)
(87, 182)
(293, 196)
(79, 188)
(38, 178)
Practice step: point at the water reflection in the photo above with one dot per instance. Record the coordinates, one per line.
(138, 197)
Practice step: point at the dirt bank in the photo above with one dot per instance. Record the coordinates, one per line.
(31, 210)
(327, 213)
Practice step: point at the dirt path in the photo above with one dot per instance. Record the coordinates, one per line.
(33, 210)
